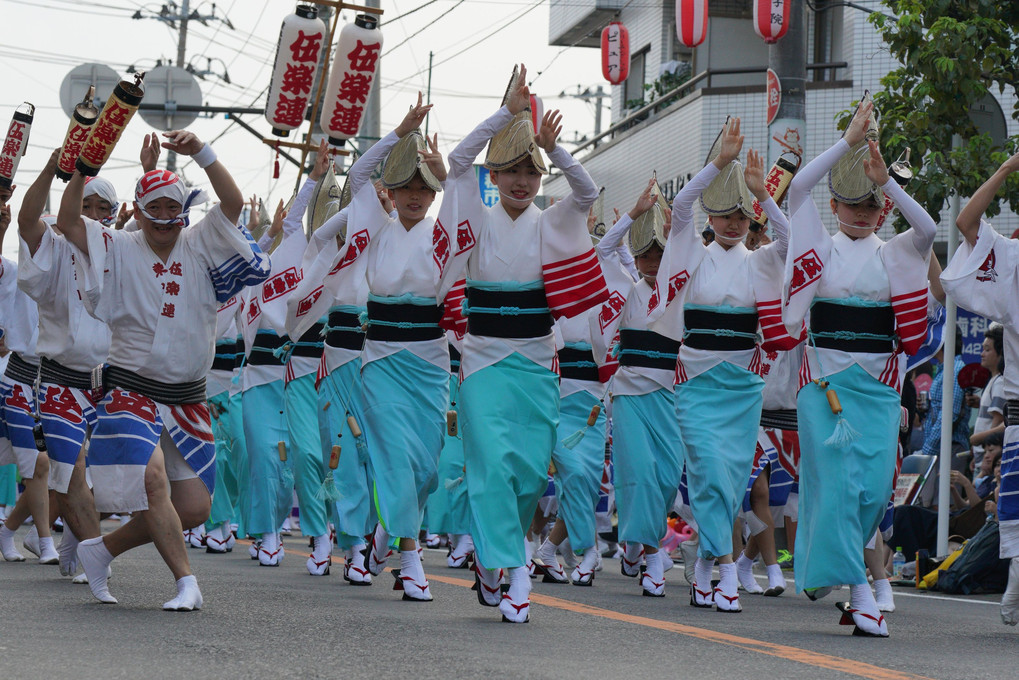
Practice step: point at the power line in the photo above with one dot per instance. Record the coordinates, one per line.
(427, 26)
(475, 43)
(408, 13)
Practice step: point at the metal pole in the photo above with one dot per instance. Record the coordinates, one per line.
(171, 157)
(428, 96)
(788, 58)
(323, 77)
(948, 387)
(599, 93)
(372, 121)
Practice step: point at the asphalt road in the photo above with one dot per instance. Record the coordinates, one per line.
(280, 622)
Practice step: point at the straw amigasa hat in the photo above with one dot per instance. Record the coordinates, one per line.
(847, 181)
(404, 161)
(515, 142)
(728, 192)
(327, 199)
(264, 222)
(649, 228)
(598, 209)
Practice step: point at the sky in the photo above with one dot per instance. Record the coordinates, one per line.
(475, 44)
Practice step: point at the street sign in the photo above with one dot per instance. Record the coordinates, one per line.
(489, 192)
(171, 87)
(76, 83)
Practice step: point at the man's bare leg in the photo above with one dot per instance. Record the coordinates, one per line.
(81, 519)
(35, 502)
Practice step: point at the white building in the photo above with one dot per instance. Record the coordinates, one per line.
(673, 139)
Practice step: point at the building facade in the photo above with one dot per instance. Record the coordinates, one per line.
(725, 75)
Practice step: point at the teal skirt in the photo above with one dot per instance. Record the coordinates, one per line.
(843, 492)
(647, 458)
(508, 416)
(719, 415)
(339, 396)
(579, 469)
(405, 400)
(448, 508)
(270, 493)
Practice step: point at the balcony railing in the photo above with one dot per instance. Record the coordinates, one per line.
(703, 79)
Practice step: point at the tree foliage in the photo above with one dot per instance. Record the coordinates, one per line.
(951, 54)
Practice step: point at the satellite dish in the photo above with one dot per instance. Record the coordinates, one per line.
(76, 84)
(988, 118)
(170, 87)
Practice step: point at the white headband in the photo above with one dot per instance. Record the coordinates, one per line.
(103, 188)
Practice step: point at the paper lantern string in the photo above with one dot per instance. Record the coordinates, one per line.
(276, 162)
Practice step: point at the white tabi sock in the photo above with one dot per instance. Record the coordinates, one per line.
(189, 597)
(728, 580)
(68, 552)
(883, 595)
(47, 553)
(868, 618)
(515, 604)
(745, 572)
(10, 553)
(546, 552)
(95, 559)
(776, 581)
(1010, 600)
(415, 585)
(702, 574)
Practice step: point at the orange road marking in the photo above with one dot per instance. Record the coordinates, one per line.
(789, 653)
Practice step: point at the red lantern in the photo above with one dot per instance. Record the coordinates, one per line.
(82, 120)
(771, 19)
(103, 136)
(537, 112)
(352, 78)
(691, 21)
(293, 74)
(16, 143)
(615, 53)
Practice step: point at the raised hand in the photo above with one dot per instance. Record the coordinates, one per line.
(123, 216)
(415, 116)
(874, 167)
(277, 220)
(433, 159)
(857, 130)
(645, 201)
(1012, 164)
(183, 142)
(732, 144)
(253, 218)
(754, 176)
(520, 94)
(149, 155)
(592, 221)
(551, 127)
(322, 161)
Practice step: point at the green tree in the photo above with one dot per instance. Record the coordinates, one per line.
(951, 54)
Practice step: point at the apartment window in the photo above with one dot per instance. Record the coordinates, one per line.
(633, 88)
(735, 9)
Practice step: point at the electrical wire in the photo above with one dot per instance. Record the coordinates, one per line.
(426, 27)
(477, 42)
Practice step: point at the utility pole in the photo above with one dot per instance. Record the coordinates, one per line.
(169, 14)
(788, 59)
(428, 95)
(372, 121)
(597, 96)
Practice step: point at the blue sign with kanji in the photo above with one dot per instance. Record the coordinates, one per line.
(489, 192)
